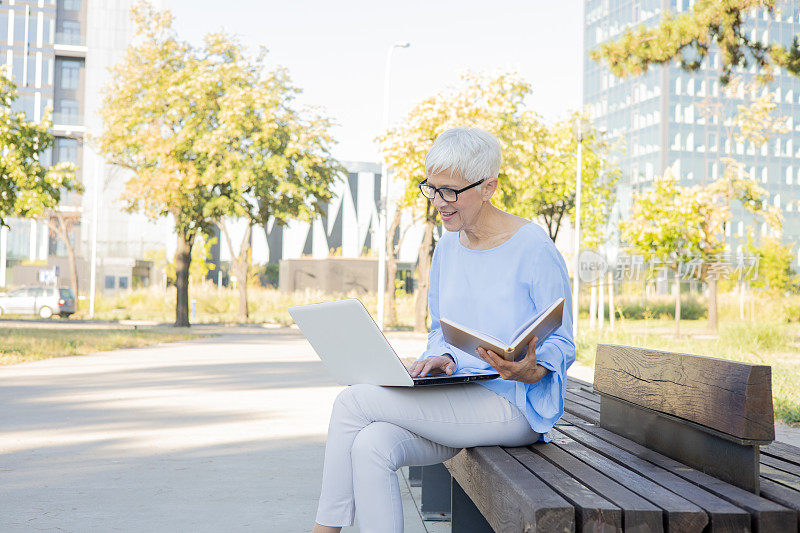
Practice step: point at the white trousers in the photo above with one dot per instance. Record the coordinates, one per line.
(375, 430)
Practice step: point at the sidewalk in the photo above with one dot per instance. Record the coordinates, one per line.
(217, 434)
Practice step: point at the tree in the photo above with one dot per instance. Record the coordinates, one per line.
(280, 167)
(27, 187)
(491, 102)
(689, 37)
(684, 227)
(541, 172)
(207, 132)
(774, 265)
(63, 222)
(751, 125)
(494, 102)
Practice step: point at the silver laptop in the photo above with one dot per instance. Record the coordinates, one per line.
(354, 350)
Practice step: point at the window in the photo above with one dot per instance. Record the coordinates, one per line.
(47, 71)
(788, 175)
(712, 170)
(70, 32)
(110, 282)
(71, 5)
(68, 114)
(763, 174)
(67, 150)
(19, 26)
(3, 28)
(17, 67)
(123, 282)
(32, 29)
(70, 74)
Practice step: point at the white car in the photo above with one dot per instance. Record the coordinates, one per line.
(42, 301)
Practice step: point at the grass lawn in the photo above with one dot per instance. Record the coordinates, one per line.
(32, 344)
(767, 343)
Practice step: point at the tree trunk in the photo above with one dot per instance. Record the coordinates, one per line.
(183, 259)
(601, 302)
(62, 228)
(241, 267)
(423, 273)
(712, 305)
(677, 305)
(391, 269)
(592, 306)
(242, 272)
(73, 269)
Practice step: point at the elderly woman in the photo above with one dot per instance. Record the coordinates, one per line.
(491, 271)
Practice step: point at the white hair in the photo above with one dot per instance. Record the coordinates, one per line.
(471, 153)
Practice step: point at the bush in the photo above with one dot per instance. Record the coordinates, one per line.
(634, 308)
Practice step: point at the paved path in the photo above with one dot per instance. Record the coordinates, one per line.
(221, 434)
(218, 434)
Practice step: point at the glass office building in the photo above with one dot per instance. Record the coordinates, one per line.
(58, 53)
(671, 119)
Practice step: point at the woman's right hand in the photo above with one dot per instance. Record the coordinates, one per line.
(432, 365)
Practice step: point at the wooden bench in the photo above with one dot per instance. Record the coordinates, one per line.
(659, 442)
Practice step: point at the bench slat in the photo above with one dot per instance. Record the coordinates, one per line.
(723, 515)
(592, 404)
(766, 515)
(581, 411)
(784, 454)
(779, 476)
(508, 495)
(592, 512)
(783, 451)
(680, 514)
(638, 514)
(784, 496)
(591, 399)
(780, 464)
(731, 397)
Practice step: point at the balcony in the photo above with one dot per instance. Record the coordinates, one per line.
(68, 123)
(70, 44)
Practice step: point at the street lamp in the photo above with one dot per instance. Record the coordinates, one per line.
(383, 206)
(580, 127)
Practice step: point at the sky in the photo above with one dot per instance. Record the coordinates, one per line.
(336, 51)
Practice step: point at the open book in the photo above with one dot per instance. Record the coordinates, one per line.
(540, 325)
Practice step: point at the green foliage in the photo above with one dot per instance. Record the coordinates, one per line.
(201, 265)
(27, 188)
(774, 265)
(691, 309)
(268, 275)
(689, 36)
(542, 178)
(209, 131)
(537, 177)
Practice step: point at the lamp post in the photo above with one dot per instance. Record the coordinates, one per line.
(383, 212)
(579, 127)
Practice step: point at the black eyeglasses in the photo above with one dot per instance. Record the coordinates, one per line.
(448, 195)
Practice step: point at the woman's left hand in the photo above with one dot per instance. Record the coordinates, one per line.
(526, 370)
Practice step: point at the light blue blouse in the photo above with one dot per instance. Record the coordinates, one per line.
(495, 291)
